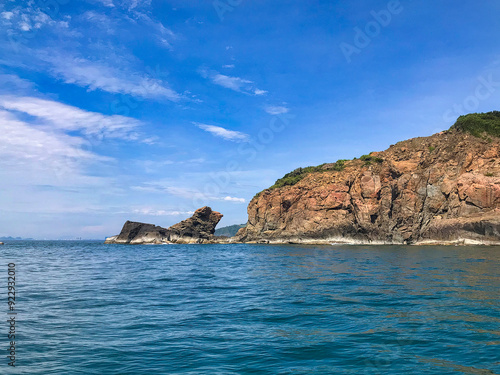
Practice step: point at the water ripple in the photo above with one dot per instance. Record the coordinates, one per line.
(89, 308)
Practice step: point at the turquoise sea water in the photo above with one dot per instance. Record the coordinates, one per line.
(89, 308)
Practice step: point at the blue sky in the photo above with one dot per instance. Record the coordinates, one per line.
(147, 110)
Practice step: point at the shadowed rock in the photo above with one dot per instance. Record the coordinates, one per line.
(201, 225)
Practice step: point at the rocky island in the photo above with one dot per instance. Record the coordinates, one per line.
(199, 228)
(441, 189)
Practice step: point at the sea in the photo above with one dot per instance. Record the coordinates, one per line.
(82, 307)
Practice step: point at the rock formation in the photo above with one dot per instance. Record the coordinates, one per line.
(201, 225)
(439, 189)
(197, 229)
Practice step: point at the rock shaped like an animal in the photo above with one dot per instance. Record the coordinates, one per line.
(197, 229)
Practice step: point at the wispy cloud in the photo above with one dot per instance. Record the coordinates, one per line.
(230, 135)
(148, 211)
(234, 199)
(31, 155)
(100, 21)
(157, 166)
(277, 110)
(7, 15)
(164, 35)
(233, 83)
(128, 4)
(107, 3)
(30, 19)
(187, 193)
(95, 75)
(14, 84)
(21, 141)
(56, 115)
(161, 188)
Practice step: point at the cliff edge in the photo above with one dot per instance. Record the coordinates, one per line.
(439, 189)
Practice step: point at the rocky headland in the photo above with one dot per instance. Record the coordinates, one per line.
(199, 228)
(442, 189)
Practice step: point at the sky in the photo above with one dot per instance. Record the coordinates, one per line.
(146, 110)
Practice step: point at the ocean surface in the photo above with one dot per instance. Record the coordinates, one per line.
(88, 308)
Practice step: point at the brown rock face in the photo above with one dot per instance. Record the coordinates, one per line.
(201, 225)
(442, 188)
(197, 229)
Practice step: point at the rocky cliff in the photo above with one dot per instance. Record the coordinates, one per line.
(199, 228)
(439, 189)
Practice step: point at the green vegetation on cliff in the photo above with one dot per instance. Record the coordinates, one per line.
(369, 158)
(298, 174)
(479, 124)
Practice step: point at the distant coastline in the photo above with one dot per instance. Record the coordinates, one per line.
(9, 238)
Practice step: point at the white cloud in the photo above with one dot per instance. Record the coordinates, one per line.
(47, 171)
(107, 3)
(25, 26)
(161, 188)
(187, 193)
(234, 199)
(32, 155)
(128, 4)
(230, 135)
(19, 140)
(155, 212)
(233, 83)
(31, 18)
(276, 110)
(132, 4)
(7, 15)
(14, 84)
(228, 66)
(164, 35)
(61, 116)
(157, 166)
(95, 76)
(152, 166)
(100, 21)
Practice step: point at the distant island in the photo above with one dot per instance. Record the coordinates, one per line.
(441, 189)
